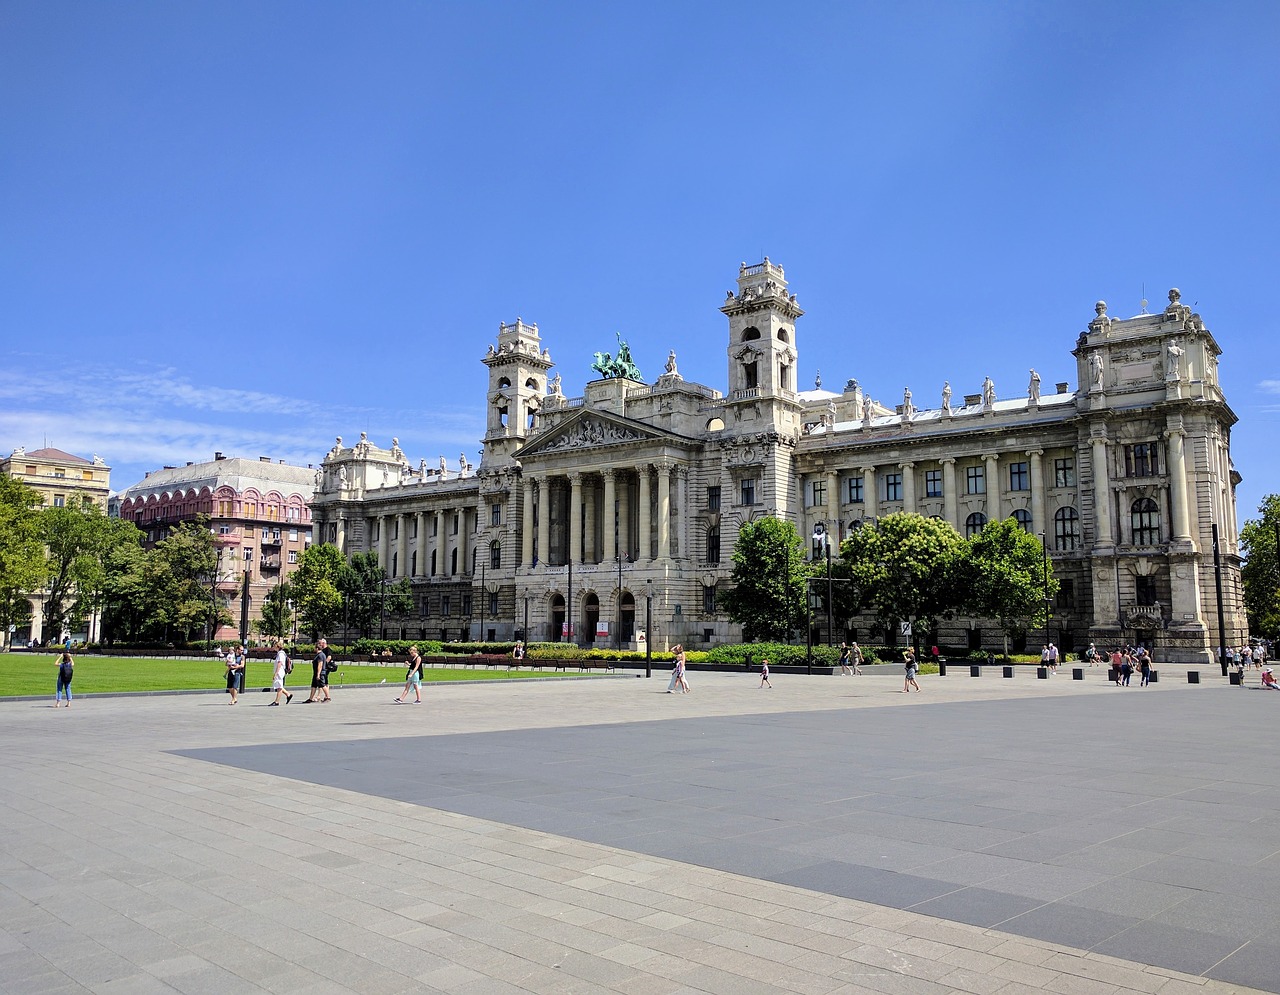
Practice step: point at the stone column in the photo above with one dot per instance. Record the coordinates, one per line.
(664, 510)
(643, 554)
(526, 522)
(625, 541)
(464, 548)
(611, 527)
(908, 486)
(993, 487)
(833, 502)
(1101, 493)
(342, 536)
(421, 544)
(1178, 485)
(544, 521)
(403, 551)
(1038, 523)
(589, 550)
(575, 518)
(438, 547)
(949, 489)
(384, 542)
(869, 491)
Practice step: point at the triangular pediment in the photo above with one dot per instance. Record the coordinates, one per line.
(595, 430)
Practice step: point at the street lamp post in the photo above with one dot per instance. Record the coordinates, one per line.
(1048, 605)
(820, 534)
(648, 627)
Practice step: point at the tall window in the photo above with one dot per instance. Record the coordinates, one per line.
(1019, 477)
(713, 546)
(713, 498)
(709, 599)
(1066, 529)
(1023, 518)
(975, 480)
(466, 605)
(446, 605)
(933, 483)
(855, 489)
(1144, 517)
(892, 486)
(1144, 590)
(974, 523)
(818, 493)
(413, 527)
(495, 556)
(493, 602)
(495, 515)
(1141, 460)
(748, 491)
(1064, 472)
(455, 525)
(1066, 595)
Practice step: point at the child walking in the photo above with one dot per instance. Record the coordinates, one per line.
(764, 673)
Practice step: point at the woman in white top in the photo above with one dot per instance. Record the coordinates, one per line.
(277, 679)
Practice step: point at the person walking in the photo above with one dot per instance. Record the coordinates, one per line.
(280, 673)
(235, 673)
(845, 669)
(1091, 654)
(910, 682)
(412, 678)
(764, 674)
(319, 674)
(1126, 669)
(855, 654)
(682, 663)
(1144, 666)
(675, 669)
(66, 668)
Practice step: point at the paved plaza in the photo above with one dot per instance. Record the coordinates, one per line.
(829, 835)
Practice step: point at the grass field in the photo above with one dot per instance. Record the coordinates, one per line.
(37, 673)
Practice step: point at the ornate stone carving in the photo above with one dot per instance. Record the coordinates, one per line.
(588, 433)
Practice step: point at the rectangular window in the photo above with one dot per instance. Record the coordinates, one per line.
(455, 523)
(1019, 477)
(435, 525)
(413, 527)
(892, 486)
(713, 498)
(59, 500)
(1141, 460)
(933, 483)
(748, 492)
(855, 489)
(493, 602)
(59, 472)
(709, 600)
(446, 605)
(713, 547)
(293, 556)
(224, 509)
(87, 475)
(293, 535)
(975, 480)
(495, 515)
(1064, 472)
(266, 532)
(818, 492)
(466, 604)
(224, 530)
(1145, 590)
(1066, 595)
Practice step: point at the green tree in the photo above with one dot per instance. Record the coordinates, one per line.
(1007, 577)
(317, 597)
(76, 538)
(182, 582)
(906, 569)
(769, 577)
(119, 548)
(277, 611)
(23, 567)
(1261, 571)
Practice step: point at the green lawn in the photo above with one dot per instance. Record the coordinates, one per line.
(37, 673)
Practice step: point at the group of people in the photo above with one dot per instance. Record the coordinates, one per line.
(1049, 657)
(1125, 661)
(322, 666)
(850, 659)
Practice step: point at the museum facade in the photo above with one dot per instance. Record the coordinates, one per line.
(585, 512)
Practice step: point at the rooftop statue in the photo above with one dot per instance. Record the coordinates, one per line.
(623, 366)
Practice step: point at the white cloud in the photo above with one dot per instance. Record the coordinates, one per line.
(1269, 386)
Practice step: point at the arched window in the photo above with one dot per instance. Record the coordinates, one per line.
(783, 335)
(1066, 529)
(1144, 518)
(973, 524)
(495, 556)
(750, 334)
(1023, 518)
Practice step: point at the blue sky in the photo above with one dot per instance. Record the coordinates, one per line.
(253, 227)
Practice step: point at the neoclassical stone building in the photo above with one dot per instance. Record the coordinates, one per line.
(585, 509)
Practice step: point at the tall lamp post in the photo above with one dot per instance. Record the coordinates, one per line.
(1048, 605)
(821, 535)
(648, 627)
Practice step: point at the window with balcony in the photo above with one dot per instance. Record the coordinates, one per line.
(1144, 591)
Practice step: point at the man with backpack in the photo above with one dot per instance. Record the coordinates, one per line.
(284, 666)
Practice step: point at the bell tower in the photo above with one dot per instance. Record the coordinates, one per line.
(517, 384)
(762, 334)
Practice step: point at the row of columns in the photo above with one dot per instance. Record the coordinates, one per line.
(397, 540)
(615, 493)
